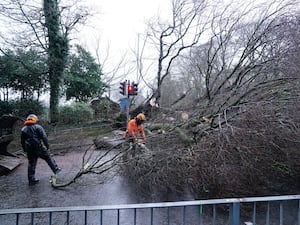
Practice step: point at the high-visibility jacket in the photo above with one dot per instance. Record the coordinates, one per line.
(133, 130)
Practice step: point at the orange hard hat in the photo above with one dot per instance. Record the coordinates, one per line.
(32, 117)
(141, 117)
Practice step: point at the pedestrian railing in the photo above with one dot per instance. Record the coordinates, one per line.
(273, 210)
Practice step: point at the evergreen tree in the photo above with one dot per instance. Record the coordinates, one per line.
(83, 77)
(57, 54)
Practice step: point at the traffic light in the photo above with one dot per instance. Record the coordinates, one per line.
(135, 88)
(130, 89)
(123, 88)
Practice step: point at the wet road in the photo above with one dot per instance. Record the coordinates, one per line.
(89, 190)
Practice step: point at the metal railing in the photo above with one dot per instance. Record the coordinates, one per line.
(273, 210)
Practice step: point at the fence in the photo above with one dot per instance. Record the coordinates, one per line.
(274, 210)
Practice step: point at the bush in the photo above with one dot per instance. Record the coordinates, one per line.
(5, 108)
(75, 113)
(21, 108)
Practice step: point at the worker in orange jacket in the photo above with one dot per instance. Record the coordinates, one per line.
(134, 127)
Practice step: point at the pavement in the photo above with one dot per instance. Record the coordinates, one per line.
(88, 190)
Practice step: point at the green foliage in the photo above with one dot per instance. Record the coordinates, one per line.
(75, 113)
(7, 68)
(31, 75)
(25, 107)
(5, 107)
(105, 104)
(83, 77)
(24, 72)
(58, 48)
(21, 107)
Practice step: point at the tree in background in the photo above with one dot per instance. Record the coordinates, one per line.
(241, 61)
(57, 54)
(83, 77)
(46, 28)
(24, 72)
(173, 38)
(7, 68)
(31, 76)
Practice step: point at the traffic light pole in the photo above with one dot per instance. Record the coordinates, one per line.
(127, 109)
(127, 116)
(128, 89)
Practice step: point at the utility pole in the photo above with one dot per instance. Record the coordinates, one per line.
(138, 57)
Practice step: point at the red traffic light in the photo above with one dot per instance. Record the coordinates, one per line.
(130, 89)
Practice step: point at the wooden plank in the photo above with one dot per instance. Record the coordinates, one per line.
(9, 162)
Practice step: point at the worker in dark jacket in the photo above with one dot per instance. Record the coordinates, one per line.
(35, 143)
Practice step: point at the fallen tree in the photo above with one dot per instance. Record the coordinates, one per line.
(252, 154)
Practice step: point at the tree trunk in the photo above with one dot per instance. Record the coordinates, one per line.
(57, 54)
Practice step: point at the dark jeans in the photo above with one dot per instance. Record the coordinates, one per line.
(33, 155)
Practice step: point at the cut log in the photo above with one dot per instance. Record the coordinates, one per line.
(106, 143)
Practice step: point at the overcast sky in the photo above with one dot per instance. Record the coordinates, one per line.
(117, 25)
(119, 21)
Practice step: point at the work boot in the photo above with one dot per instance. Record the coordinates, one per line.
(33, 182)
